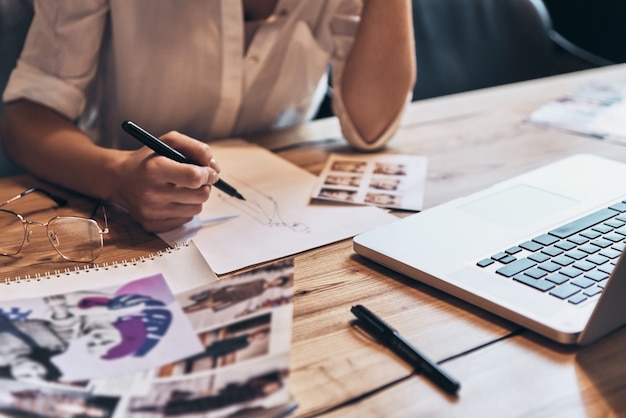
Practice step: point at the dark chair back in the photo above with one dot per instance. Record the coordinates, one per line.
(463, 45)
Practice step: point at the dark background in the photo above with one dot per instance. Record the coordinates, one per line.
(598, 26)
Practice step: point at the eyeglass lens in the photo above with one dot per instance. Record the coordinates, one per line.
(74, 238)
(77, 239)
(12, 233)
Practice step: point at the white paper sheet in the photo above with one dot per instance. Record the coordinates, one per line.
(276, 220)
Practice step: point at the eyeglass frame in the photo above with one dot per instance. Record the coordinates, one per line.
(61, 202)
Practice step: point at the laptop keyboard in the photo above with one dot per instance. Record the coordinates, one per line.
(571, 262)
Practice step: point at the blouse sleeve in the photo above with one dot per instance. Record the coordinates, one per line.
(60, 55)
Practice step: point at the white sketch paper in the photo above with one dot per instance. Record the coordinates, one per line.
(276, 220)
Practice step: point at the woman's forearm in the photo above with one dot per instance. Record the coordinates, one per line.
(52, 148)
(380, 70)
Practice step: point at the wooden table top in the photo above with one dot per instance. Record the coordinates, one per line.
(471, 140)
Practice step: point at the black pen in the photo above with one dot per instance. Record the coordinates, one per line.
(391, 339)
(165, 150)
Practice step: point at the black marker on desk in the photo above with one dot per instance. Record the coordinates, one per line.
(391, 339)
(165, 150)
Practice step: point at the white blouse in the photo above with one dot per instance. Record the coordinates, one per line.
(184, 65)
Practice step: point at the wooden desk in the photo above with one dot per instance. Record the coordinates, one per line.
(471, 140)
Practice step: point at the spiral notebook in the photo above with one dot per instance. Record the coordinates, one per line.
(183, 267)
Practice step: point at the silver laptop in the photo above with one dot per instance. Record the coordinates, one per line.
(542, 249)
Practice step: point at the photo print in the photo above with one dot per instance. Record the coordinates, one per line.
(385, 180)
(94, 333)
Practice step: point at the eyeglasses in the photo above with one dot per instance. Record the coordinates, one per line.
(75, 238)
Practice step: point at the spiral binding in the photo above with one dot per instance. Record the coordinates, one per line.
(94, 267)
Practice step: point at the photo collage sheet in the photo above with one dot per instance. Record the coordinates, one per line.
(391, 181)
(594, 109)
(138, 350)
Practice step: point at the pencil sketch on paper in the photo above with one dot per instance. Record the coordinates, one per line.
(261, 207)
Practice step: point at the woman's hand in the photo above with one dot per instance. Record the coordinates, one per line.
(159, 193)
(162, 194)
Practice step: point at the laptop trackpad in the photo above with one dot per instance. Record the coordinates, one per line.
(518, 206)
